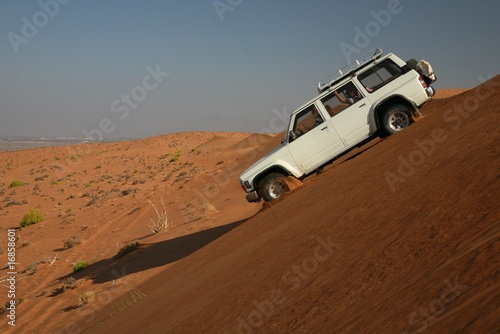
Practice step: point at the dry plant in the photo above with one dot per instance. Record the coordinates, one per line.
(208, 209)
(160, 222)
(32, 269)
(116, 282)
(68, 283)
(50, 261)
(86, 297)
(125, 301)
(71, 242)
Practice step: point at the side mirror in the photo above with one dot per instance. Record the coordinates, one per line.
(292, 135)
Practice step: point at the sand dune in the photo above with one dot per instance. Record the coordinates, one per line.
(446, 93)
(401, 238)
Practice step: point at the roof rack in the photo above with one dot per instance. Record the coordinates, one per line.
(329, 80)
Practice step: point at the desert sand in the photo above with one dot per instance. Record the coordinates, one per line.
(400, 236)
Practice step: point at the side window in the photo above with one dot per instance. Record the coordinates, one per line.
(341, 98)
(307, 120)
(379, 75)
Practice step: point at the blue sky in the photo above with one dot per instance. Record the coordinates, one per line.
(143, 68)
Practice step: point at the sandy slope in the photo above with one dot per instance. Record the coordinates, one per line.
(402, 238)
(97, 194)
(446, 93)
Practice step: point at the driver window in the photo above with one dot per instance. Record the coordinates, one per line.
(307, 120)
(341, 98)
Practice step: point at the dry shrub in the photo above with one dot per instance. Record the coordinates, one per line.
(86, 297)
(160, 222)
(127, 249)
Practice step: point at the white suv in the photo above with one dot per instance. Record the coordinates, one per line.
(377, 95)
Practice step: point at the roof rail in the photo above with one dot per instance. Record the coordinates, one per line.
(329, 80)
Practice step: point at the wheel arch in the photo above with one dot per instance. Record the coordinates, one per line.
(272, 169)
(379, 109)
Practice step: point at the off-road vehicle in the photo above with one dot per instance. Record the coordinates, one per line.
(376, 95)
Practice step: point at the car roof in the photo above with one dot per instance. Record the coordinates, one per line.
(342, 81)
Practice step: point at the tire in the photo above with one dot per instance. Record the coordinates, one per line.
(396, 118)
(273, 186)
(412, 63)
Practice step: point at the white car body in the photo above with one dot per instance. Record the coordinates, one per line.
(359, 119)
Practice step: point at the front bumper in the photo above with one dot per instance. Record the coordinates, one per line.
(253, 197)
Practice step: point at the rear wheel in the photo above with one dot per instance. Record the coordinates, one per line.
(396, 118)
(273, 186)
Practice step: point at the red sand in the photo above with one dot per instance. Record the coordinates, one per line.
(401, 238)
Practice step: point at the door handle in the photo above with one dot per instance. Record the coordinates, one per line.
(364, 104)
(325, 128)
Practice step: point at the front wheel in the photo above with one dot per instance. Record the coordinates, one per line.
(273, 186)
(395, 119)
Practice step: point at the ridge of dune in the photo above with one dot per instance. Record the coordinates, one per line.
(450, 92)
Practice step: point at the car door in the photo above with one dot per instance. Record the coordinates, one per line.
(313, 139)
(349, 110)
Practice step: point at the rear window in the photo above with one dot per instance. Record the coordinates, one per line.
(379, 75)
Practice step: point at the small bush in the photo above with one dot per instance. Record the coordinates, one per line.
(79, 266)
(129, 191)
(127, 249)
(32, 217)
(16, 183)
(12, 203)
(177, 156)
(71, 242)
(32, 269)
(68, 283)
(138, 181)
